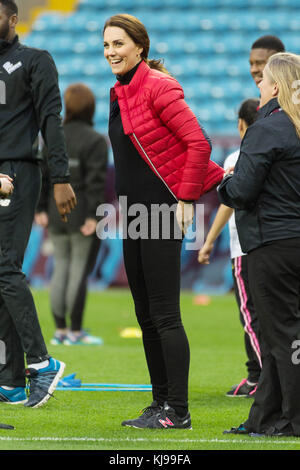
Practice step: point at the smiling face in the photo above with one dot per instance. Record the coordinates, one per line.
(258, 59)
(268, 89)
(120, 50)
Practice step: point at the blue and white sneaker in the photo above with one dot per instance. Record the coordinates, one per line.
(82, 339)
(43, 382)
(16, 396)
(57, 339)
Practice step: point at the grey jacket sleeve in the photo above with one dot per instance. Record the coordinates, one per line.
(95, 172)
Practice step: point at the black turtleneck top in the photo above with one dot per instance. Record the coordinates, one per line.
(133, 177)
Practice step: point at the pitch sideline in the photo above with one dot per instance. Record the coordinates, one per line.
(140, 439)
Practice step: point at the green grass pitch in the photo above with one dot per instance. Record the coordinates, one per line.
(92, 420)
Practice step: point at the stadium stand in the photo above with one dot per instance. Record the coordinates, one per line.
(204, 43)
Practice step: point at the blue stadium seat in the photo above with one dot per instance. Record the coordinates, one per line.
(54, 43)
(292, 43)
(205, 44)
(48, 22)
(94, 5)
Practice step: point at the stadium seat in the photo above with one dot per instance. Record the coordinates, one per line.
(205, 44)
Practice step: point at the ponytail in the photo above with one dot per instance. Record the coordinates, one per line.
(157, 64)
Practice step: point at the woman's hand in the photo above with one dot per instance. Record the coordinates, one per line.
(6, 185)
(204, 253)
(229, 171)
(184, 215)
(89, 227)
(42, 219)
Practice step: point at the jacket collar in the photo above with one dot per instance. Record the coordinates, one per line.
(135, 83)
(6, 45)
(268, 108)
(126, 79)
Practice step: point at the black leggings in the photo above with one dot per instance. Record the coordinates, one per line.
(153, 271)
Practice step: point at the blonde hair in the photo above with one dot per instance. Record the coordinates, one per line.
(138, 33)
(284, 69)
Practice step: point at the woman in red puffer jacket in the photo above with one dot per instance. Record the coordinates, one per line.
(162, 163)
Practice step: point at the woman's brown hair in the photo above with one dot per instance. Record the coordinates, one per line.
(138, 33)
(80, 103)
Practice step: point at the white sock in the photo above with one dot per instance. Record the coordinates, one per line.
(38, 365)
(7, 388)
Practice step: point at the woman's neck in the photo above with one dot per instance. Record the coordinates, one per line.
(127, 77)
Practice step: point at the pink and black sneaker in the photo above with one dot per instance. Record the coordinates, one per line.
(168, 419)
(243, 389)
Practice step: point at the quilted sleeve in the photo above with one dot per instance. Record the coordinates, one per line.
(169, 104)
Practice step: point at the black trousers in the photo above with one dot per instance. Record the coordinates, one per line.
(153, 271)
(248, 317)
(274, 275)
(20, 331)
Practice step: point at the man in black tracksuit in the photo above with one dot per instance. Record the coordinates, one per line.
(29, 102)
(265, 193)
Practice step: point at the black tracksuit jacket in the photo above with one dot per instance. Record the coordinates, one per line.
(30, 102)
(265, 187)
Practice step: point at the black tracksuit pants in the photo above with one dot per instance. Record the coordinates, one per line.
(20, 331)
(153, 271)
(274, 276)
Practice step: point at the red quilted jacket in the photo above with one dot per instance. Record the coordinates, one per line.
(166, 133)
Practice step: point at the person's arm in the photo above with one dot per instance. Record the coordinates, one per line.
(169, 104)
(41, 214)
(95, 171)
(223, 215)
(43, 202)
(242, 189)
(47, 104)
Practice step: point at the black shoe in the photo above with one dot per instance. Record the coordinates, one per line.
(168, 419)
(147, 414)
(274, 432)
(239, 430)
(6, 426)
(243, 389)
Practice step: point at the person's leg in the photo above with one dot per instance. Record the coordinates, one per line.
(84, 252)
(249, 321)
(61, 258)
(266, 408)
(16, 219)
(274, 274)
(12, 367)
(151, 339)
(161, 269)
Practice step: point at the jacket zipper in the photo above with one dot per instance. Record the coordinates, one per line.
(155, 170)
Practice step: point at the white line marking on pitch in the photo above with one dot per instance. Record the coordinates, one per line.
(103, 439)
